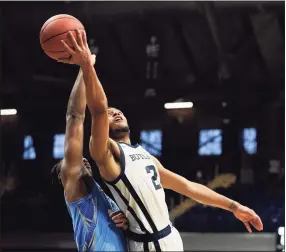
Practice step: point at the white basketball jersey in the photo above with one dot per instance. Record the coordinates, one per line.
(138, 191)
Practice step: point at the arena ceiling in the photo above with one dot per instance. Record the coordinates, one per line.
(207, 50)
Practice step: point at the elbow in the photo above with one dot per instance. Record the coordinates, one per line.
(195, 190)
(99, 154)
(74, 172)
(187, 188)
(99, 107)
(180, 187)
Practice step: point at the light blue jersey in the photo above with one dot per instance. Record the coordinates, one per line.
(93, 228)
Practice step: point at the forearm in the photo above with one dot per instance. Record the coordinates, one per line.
(95, 96)
(77, 100)
(209, 197)
(74, 127)
(198, 192)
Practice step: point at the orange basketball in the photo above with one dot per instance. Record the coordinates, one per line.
(56, 29)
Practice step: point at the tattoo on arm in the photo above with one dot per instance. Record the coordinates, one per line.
(77, 100)
(232, 206)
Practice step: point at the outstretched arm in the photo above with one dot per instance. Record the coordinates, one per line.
(74, 126)
(73, 146)
(97, 104)
(204, 195)
(100, 144)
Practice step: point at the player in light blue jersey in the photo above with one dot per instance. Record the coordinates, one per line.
(97, 221)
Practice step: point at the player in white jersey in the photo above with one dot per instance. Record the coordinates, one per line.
(139, 193)
(137, 179)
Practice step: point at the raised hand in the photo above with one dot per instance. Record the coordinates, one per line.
(248, 217)
(79, 52)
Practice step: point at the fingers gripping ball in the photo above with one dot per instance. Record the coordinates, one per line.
(56, 29)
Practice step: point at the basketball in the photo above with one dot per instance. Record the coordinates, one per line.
(56, 29)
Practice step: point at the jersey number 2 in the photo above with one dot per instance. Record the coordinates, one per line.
(149, 169)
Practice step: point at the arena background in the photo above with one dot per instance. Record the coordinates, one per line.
(227, 58)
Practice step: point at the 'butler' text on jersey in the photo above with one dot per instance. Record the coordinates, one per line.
(138, 156)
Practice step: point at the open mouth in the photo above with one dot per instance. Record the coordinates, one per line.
(118, 119)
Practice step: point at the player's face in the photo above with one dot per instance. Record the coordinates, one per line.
(116, 119)
(87, 166)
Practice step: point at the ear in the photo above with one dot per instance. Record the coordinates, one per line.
(59, 176)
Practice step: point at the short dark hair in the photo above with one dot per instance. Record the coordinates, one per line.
(56, 170)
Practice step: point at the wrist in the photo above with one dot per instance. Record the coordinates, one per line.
(87, 65)
(88, 61)
(233, 207)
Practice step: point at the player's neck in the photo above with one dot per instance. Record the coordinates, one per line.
(124, 139)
